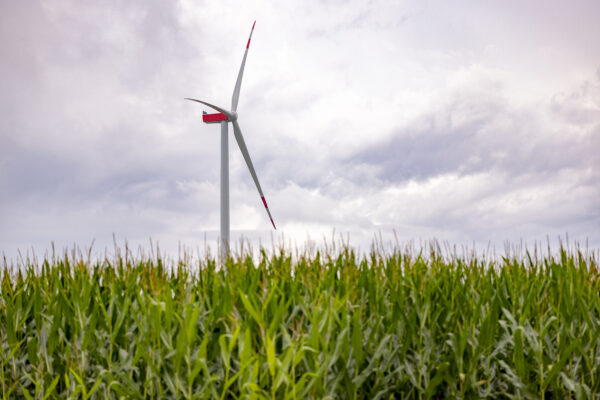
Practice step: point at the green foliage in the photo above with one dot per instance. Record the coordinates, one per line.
(330, 325)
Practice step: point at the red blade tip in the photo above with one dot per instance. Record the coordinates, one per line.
(267, 207)
(248, 45)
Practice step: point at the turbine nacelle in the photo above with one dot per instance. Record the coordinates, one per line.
(213, 118)
(218, 117)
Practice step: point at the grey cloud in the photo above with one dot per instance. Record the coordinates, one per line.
(493, 136)
(580, 107)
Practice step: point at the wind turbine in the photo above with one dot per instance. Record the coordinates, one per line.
(223, 117)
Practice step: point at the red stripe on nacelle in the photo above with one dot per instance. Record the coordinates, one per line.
(214, 117)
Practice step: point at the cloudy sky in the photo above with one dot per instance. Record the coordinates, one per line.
(469, 122)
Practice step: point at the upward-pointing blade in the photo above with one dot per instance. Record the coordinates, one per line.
(240, 140)
(238, 83)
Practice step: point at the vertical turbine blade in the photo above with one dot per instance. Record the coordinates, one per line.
(240, 140)
(238, 83)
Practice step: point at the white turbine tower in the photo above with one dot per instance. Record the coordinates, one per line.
(224, 117)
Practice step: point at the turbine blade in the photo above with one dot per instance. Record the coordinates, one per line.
(240, 140)
(238, 83)
(219, 109)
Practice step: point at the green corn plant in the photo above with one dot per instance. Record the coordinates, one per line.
(332, 323)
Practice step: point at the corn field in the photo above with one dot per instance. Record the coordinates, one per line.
(332, 324)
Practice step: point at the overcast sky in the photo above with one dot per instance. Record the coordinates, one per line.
(469, 122)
